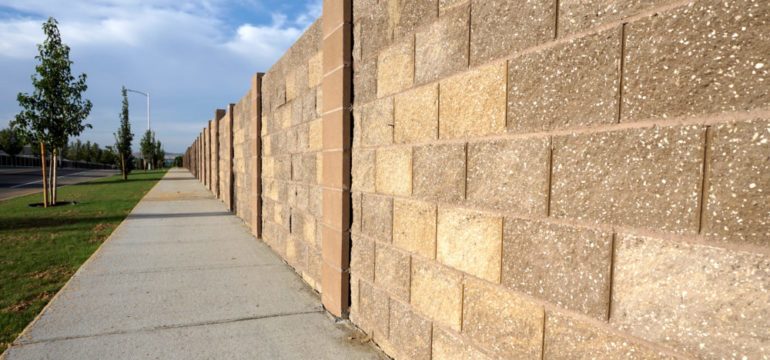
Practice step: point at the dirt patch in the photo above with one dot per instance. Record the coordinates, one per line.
(52, 273)
(99, 232)
(25, 304)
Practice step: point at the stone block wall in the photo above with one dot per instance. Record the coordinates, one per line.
(243, 161)
(291, 162)
(570, 179)
(224, 153)
(525, 179)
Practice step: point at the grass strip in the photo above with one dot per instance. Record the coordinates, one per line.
(40, 248)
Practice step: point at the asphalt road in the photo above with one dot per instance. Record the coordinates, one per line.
(22, 181)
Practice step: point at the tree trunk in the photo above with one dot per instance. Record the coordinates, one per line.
(54, 168)
(123, 166)
(45, 180)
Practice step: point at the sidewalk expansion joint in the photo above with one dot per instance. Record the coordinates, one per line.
(165, 327)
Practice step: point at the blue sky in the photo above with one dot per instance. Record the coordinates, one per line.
(191, 56)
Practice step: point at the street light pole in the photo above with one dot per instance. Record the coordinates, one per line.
(148, 113)
(148, 104)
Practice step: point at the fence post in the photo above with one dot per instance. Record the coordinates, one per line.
(256, 154)
(337, 89)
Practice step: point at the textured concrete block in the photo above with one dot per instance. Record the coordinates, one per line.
(439, 172)
(501, 322)
(647, 178)
(414, 227)
(567, 338)
(409, 333)
(416, 115)
(375, 123)
(407, 15)
(449, 347)
(394, 171)
(499, 28)
(315, 131)
(567, 266)
(374, 309)
(579, 15)
(365, 80)
(510, 175)
(362, 170)
(356, 205)
(571, 85)
(291, 85)
(377, 219)
(391, 271)
(709, 302)
(473, 103)
(309, 106)
(442, 48)
(709, 56)
(375, 23)
(738, 183)
(362, 258)
(395, 69)
(437, 292)
(315, 69)
(470, 241)
(309, 230)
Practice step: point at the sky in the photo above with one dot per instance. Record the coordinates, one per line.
(192, 56)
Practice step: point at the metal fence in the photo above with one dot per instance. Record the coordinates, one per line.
(34, 161)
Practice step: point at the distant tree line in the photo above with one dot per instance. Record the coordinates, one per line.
(89, 152)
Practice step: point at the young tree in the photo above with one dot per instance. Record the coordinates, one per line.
(123, 138)
(56, 109)
(147, 148)
(11, 143)
(159, 155)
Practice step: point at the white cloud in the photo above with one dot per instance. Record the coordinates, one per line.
(190, 55)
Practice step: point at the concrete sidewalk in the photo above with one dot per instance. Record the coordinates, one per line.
(182, 278)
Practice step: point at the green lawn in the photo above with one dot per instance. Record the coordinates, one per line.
(41, 248)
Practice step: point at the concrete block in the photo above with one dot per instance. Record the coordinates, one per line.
(391, 271)
(374, 307)
(315, 69)
(407, 15)
(394, 171)
(439, 172)
(375, 23)
(395, 68)
(315, 132)
(437, 292)
(580, 15)
(365, 80)
(416, 115)
(705, 57)
(500, 28)
(649, 178)
(501, 322)
(362, 170)
(449, 347)
(470, 241)
(442, 48)
(356, 204)
(473, 103)
(376, 123)
(409, 333)
(705, 301)
(414, 227)
(564, 265)
(572, 85)
(362, 258)
(569, 338)
(510, 175)
(737, 206)
(377, 219)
